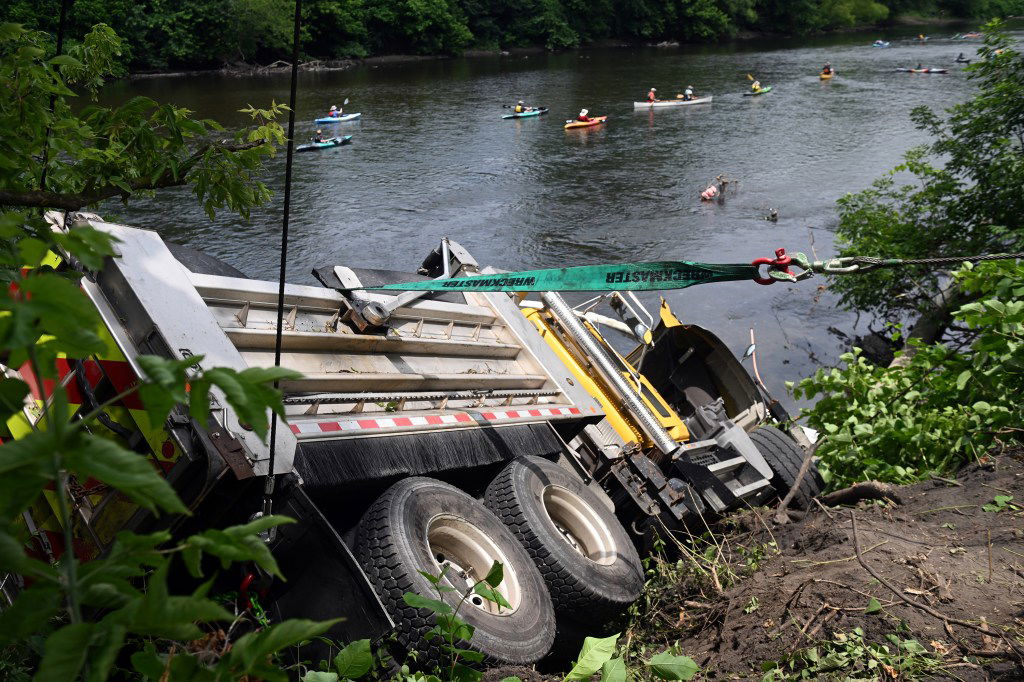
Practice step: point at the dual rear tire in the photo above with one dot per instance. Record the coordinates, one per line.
(561, 548)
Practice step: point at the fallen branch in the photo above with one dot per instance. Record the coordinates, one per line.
(867, 490)
(1016, 652)
(781, 515)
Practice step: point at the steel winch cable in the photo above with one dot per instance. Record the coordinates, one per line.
(268, 489)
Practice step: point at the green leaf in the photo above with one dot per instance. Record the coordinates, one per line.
(237, 543)
(29, 613)
(420, 602)
(128, 471)
(107, 641)
(594, 654)
(355, 660)
(874, 606)
(253, 648)
(319, 676)
(668, 666)
(12, 397)
(495, 575)
(65, 653)
(614, 670)
(463, 673)
(491, 594)
(962, 380)
(249, 392)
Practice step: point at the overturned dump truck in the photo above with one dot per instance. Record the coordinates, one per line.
(434, 432)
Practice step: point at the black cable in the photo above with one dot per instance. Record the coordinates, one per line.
(268, 490)
(64, 7)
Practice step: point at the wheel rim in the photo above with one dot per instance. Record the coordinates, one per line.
(465, 554)
(579, 525)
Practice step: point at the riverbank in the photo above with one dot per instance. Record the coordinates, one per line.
(245, 69)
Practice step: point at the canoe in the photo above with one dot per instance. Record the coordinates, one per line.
(672, 102)
(338, 119)
(585, 124)
(826, 76)
(763, 90)
(880, 43)
(923, 70)
(316, 146)
(540, 111)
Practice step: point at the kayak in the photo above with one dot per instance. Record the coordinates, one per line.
(339, 119)
(826, 76)
(585, 124)
(540, 111)
(923, 70)
(333, 142)
(763, 90)
(672, 102)
(880, 43)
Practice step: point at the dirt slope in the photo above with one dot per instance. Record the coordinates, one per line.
(946, 547)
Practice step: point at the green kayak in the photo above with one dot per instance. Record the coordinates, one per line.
(763, 90)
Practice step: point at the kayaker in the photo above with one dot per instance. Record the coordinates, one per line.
(583, 116)
(827, 69)
(520, 107)
(920, 67)
(756, 86)
(652, 95)
(319, 137)
(335, 111)
(688, 93)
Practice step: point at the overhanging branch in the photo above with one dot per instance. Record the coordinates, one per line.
(73, 202)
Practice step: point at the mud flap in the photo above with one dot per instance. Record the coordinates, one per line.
(324, 579)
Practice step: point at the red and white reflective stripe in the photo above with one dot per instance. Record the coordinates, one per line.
(308, 427)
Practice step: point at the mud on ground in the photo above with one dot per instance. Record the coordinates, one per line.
(948, 547)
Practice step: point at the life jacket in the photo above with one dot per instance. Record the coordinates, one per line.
(519, 109)
(585, 119)
(651, 97)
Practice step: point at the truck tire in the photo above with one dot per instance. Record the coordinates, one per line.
(585, 555)
(420, 524)
(784, 457)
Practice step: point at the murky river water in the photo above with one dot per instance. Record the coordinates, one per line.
(432, 157)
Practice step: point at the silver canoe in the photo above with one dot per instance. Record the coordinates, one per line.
(672, 102)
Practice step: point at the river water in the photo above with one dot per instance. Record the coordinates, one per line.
(432, 157)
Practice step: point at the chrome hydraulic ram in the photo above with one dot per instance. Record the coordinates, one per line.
(609, 371)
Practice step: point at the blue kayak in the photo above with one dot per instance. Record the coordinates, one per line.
(326, 144)
(339, 119)
(526, 114)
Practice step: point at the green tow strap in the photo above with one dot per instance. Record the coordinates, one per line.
(625, 277)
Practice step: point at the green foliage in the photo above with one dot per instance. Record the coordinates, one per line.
(849, 656)
(1000, 503)
(108, 152)
(162, 34)
(945, 405)
(74, 620)
(962, 194)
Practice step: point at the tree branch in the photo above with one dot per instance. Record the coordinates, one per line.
(74, 202)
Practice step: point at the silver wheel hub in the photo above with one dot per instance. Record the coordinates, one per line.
(580, 525)
(464, 554)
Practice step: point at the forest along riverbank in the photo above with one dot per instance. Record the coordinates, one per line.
(431, 157)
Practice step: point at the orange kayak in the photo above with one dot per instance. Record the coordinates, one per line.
(585, 124)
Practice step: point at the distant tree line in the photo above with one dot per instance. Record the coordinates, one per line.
(170, 34)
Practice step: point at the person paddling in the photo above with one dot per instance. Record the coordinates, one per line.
(583, 116)
(652, 96)
(756, 86)
(335, 111)
(318, 137)
(521, 108)
(827, 69)
(688, 93)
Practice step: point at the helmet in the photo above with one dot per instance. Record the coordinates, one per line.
(689, 87)
(318, 131)
(584, 112)
(334, 107)
(520, 101)
(654, 89)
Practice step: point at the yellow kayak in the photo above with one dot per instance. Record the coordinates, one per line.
(826, 76)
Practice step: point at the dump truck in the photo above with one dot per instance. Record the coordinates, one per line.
(429, 432)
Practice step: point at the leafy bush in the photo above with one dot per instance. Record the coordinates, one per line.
(944, 406)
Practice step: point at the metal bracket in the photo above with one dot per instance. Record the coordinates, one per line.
(233, 453)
